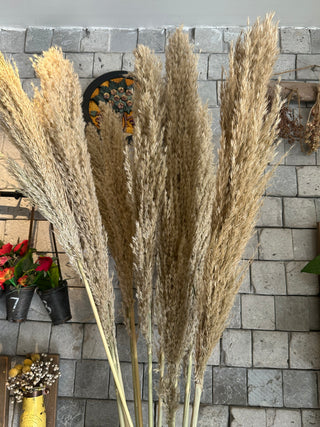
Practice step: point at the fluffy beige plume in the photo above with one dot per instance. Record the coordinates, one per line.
(107, 149)
(147, 174)
(185, 220)
(49, 134)
(247, 145)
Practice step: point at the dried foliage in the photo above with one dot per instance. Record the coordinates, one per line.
(49, 134)
(185, 219)
(246, 147)
(312, 135)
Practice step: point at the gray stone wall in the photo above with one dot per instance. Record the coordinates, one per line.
(265, 370)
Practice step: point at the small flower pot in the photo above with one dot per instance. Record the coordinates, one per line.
(33, 410)
(56, 302)
(18, 302)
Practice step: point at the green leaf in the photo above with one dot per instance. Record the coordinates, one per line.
(23, 265)
(313, 266)
(54, 275)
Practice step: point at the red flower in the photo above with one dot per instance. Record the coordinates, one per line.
(4, 259)
(23, 280)
(6, 274)
(21, 247)
(2, 286)
(5, 249)
(44, 262)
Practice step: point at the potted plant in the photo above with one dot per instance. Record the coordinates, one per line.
(52, 290)
(29, 382)
(14, 262)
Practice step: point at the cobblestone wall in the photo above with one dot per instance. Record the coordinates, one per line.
(265, 370)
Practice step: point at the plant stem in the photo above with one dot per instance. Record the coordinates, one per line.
(135, 370)
(187, 393)
(160, 403)
(150, 389)
(113, 366)
(196, 404)
(120, 409)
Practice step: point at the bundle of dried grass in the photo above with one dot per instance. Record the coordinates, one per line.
(49, 134)
(186, 216)
(246, 147)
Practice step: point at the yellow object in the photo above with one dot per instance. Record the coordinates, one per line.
(27, 362)
(33, 412)
(35, 357)
(19, 367)
(13, 372)
(26, 368)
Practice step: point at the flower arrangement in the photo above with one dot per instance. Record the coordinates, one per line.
(36, 372)
(18, 269)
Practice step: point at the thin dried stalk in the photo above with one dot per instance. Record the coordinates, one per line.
(185, 220)
(246, 147)
(49, 134)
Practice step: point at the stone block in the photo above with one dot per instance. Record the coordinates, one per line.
(304, 350)
(279, 155)
(265, 387)
(128, 61)
(300, 389)
(80, 306)
(283, 418)
(314, 313)
(234, 320)
(315, 40)
(306, 61)
(300, 283)
(215, 127)
(248, 417)
(127, 381)
(123, 342)
(82, 63)
(299, 213)
(245, 287)
(68, 272)
(12, 40)
(276, 244)
(67, 38)
(3, 310)
(291, 313)
(155, 39)
(295, 156)
(217, 63)
(251, 250)
(304, 244)
(230, 34)
(216, 415)
(308, 181)
(268, 277)
(105, 62)
(123, 40)
(92, 343)
(258, 312)
(24, 65)
(310, 418)
(236, 348)
(95, 40)
(84, 83)
(229, 386)
(8, 337)
(38, 39)
(203, 66)
(208, 92)
(283, 182)
(295, 40)
(66, 340)
(33, 338)
(270, 213)
(270, 349)
(285, 62)
(70, 412)
(208, 40)
(101, 413)
(66, 381)
(92, 379)
(214, 359)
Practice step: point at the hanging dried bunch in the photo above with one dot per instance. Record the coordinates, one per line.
(312, 133)
(291, 127)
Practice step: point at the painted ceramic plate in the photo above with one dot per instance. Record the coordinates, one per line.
(113, 88)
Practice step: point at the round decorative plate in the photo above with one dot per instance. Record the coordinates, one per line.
(114, 88)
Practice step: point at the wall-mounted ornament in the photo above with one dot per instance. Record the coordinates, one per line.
(114, 88)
